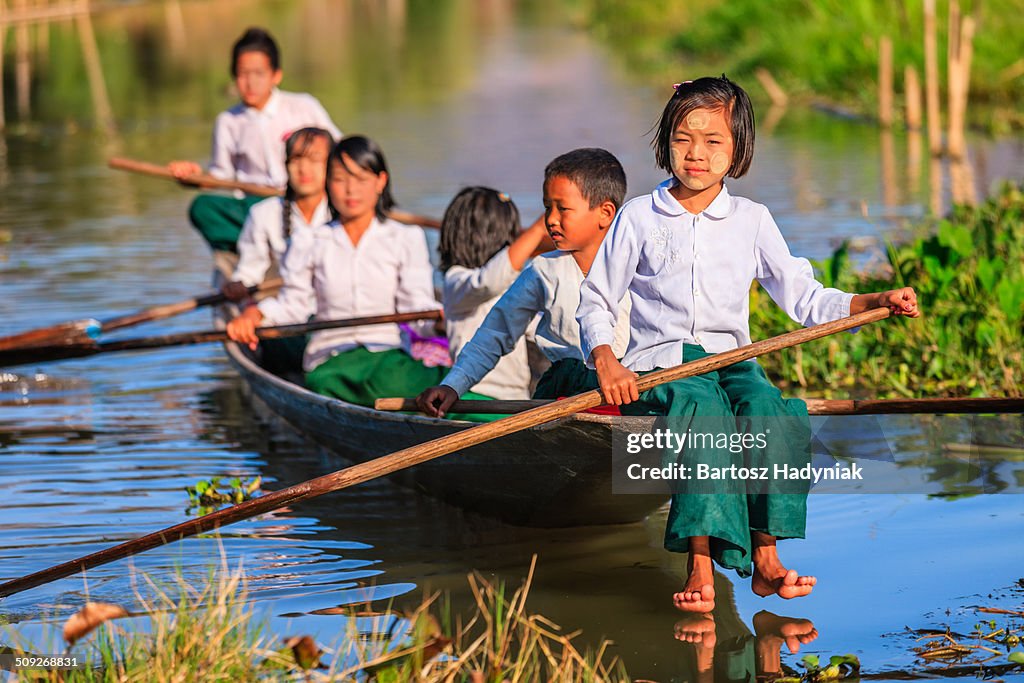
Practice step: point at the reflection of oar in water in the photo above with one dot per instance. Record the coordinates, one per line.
(815, 406)
(42, 354)
(414, 455)
(84, 331)
(204, 180)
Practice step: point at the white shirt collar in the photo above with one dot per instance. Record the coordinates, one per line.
(665, 203)
(271, 108)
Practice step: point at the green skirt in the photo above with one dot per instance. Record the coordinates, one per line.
(219, 218)
(361, 376)
(566, 377)
(726, 511)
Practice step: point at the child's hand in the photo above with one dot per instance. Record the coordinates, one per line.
(900, 301)
(183, 169)
(243, 328)
(234, 291)
(618, 383)
(436, 401)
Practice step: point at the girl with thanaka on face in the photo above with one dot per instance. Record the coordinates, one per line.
(686, 256)
(482, 252)
(249, 138)
(582, 190)
(360, 264)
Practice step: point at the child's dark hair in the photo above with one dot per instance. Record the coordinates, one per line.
(297, 145)
(255, 40)
(594, 171)
(478, 223)
(708, 93)
(367, 155)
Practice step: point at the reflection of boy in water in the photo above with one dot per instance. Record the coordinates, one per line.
(745, 657)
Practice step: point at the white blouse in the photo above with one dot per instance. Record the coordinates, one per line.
(263, 240)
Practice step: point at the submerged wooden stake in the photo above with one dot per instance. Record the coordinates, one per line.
(931, 79)
(430, 450)
(885, 82)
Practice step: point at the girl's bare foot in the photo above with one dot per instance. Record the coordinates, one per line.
(771, 577)
(698, 595)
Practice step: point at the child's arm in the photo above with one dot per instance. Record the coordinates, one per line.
(901, 301)
(221, 165)
(416, 280)
(497, 336)
(253, 257)
(294, 303)
(607, 282)
(530, 242)
(466, 289)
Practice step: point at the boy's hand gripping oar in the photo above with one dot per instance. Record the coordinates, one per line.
(205, 180)
(414, 455)
(43, 354)
(84, 331)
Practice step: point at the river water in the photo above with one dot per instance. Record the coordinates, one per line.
(96, 451)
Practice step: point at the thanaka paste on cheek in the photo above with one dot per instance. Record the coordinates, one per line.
(719, 162)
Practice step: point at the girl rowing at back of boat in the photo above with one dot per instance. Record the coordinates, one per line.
(249, 138)
(481, 256)
(687, 255)
(360, 264)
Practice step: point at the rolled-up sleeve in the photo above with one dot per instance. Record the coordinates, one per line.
(466, 289)
(221, 164)
(790, 280)
(605, 285)
(499, 332)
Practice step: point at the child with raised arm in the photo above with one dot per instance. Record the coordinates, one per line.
(360, 264)
(482, 252)
(582, 191)
(249, 138)
(686, 255)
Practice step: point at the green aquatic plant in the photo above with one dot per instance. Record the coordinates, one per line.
(207, 496)
(968, 271)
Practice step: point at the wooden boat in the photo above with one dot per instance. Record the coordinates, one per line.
(555, 475)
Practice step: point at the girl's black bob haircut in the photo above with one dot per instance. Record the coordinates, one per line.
(256, 40)
(708, 93)
(478, 223)
(367, 155)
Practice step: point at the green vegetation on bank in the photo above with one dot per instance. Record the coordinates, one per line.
(209, 632)
(969, 276)
(815, 48)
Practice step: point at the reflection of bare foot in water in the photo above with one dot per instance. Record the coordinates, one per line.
(698, 595)
(699, 629)
(771, 577)
(773, 630)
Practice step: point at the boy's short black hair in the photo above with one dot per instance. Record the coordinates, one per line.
(596, 173)
(255, 40)
(708, 93)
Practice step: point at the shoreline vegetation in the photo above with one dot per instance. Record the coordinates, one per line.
(968, 270)
(821, 52)
(211, 632)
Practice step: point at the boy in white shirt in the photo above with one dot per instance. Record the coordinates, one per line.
(582, 191)
(249, 138)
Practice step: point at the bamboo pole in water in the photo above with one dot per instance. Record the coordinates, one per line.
(912, 88)
(22, 67)
(885, 82)
(94, 70)
(815, 406)
(931, 79)
(959, 82)
(3, 34)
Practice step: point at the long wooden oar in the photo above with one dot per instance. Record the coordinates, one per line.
(205, 180)
(43, 354)
(415, 455)
(815, 406)
(84, 331)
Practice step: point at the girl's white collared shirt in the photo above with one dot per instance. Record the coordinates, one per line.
(263, 241)
(388, 271)
(689, 276)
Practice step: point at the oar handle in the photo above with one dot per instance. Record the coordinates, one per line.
(198, 179)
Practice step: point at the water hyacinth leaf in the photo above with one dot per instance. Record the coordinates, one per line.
(254, 485)
(958, 237)
(810, 661)
(1016, 657)
(92, 614)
